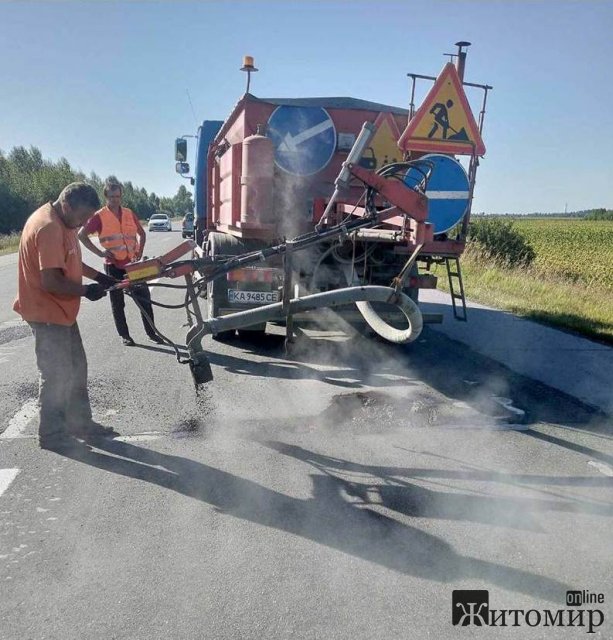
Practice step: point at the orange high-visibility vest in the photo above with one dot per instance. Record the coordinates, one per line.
(118, 237)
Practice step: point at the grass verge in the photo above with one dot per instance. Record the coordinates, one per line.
(538, 296)
(9, 244)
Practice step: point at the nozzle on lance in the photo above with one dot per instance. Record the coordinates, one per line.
(200, 369)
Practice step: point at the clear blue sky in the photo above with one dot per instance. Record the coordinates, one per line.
(104, 84)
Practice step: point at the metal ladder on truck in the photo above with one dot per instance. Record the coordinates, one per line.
(454, 274)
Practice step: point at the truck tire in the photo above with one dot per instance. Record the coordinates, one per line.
(220, 244)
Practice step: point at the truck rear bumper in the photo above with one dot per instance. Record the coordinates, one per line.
(350, 314)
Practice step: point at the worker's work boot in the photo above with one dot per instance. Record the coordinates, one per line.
(127, 341)
(54, 439)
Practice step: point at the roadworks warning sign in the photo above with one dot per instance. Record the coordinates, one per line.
(444, 123)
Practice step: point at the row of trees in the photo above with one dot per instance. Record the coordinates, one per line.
(27, 181)
(599, 214)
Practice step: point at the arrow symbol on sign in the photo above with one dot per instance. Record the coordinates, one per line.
(290, 142)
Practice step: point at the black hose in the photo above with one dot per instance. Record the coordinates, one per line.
(150, 322)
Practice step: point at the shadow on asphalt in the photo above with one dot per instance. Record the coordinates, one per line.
(353, 368)
(571, 446)
(562, 322)
(329, 519)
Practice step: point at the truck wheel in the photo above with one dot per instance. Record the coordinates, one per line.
(220, 244)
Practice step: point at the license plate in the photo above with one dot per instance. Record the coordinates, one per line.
(252, 297)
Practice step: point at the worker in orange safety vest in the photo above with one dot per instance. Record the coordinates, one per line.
(123, 240)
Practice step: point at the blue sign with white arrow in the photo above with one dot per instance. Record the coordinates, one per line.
(447, 189)
(304, 139)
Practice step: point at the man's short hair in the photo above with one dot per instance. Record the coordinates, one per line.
(112, 184)
(78, 194)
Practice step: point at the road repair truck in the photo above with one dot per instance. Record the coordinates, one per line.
(270, 172)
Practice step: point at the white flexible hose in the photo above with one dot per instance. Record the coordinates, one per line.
(385, 330)
(408, 307)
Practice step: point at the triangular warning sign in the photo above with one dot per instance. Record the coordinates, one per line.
(444, 122)
(384, 144)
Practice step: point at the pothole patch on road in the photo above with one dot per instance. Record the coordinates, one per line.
(373, 411)
(189, 426)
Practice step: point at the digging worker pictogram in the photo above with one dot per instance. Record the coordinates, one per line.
(441, 118)
(123, 240)
(48, 299)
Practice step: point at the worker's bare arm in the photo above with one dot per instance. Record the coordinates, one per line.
(142, 237)
(86, 241)
(54, 281)
(90, 272)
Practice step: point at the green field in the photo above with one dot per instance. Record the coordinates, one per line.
(569, 285)
(576, 250)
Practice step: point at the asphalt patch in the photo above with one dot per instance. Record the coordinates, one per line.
(380, 411)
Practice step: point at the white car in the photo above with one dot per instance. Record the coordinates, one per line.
(160, 222)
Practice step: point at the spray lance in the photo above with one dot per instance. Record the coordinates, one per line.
(343, 179)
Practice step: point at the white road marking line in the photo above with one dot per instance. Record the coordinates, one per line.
(602, 467)
(131, 438)
(20, 420)
(6, 477)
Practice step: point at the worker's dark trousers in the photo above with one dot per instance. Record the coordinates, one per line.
(118, 303)
(62, 394)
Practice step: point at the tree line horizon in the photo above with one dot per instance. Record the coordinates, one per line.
(27, 181)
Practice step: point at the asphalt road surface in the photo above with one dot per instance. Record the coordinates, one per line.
(344, 492)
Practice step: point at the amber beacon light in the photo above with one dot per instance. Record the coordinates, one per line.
(249, 67)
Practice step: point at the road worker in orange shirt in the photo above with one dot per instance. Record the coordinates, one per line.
(48, 299)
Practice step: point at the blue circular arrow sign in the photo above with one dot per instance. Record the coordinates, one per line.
(304, 139)
(447, 190)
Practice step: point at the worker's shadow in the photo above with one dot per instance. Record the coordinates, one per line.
(392, 488)
(326, 518)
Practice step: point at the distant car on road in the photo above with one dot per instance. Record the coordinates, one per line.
(160, 222)
(188, 226)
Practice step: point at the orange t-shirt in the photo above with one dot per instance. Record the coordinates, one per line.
(46, 243)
